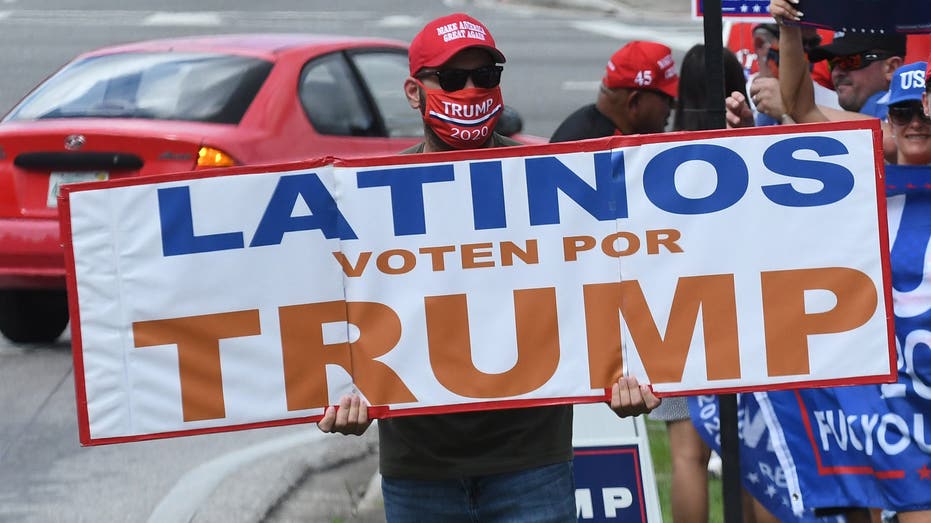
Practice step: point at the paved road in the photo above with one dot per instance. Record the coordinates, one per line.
(46, 33)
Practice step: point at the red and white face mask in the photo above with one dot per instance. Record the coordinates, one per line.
(463, 119)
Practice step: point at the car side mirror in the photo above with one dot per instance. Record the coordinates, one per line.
(510, 122)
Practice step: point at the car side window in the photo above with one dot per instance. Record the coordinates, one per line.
(332, 99)
(384, 73)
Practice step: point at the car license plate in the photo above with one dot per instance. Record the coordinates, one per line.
(57, 179)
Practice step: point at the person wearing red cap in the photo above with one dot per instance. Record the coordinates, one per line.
(454, 84)
(636, 96)
(497, 465)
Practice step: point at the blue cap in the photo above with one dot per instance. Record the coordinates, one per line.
(908, 83)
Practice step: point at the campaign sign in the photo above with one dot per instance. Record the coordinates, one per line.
(496, 278)
(751, 10)
(608, 486)
(613, 467)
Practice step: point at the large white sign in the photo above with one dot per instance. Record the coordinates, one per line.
(697, 262)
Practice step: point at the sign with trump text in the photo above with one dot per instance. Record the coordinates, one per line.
(698, 262)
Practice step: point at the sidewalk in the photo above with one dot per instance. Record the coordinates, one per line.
(347, 489)
(331, 481)
(659, 12)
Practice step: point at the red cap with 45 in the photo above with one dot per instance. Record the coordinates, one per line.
(442, 38)
(643, 65)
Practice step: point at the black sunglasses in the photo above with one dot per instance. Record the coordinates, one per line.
(902, 115)
(486, 77)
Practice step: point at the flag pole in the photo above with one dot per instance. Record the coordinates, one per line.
(730, 443)
(714, 63)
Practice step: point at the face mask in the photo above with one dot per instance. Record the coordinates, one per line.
(463, 119)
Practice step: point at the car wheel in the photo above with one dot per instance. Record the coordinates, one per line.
(33, 316)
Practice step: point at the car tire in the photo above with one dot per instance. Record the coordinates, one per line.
(33, 315)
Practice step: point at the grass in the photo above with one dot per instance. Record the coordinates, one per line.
(662, 469)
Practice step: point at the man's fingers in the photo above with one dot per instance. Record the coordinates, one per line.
(781, 9)
(351, 416)
(732, 112)
(733, 104)
(633, 392)
(362, 417)
(352, 411)
(623, 396)
(342, 414)
(629, 398)
(615, 396)
(737, 113)
(650, 399)
(358, 414)
(328, 420)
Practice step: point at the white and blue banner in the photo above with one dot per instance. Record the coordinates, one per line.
(735, 10)
(497, 278)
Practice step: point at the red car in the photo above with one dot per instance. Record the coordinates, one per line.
(177, 105)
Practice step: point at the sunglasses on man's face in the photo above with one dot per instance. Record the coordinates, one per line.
(902, 115)
(486, 77)
(854, 62)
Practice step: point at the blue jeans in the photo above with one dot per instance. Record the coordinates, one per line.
(543, 495)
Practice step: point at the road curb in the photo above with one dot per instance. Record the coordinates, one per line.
(322, 480)
(343, 486)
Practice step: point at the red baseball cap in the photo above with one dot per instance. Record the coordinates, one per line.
(643, 65)
(442, 38)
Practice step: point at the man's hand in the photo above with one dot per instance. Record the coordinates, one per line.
(628, 398)
(784, 10)
(352, 416)
(738, 113)
(766, 97)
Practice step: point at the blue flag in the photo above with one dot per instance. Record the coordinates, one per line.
(761, 471)
(874, 442)
(866, 445)
(852, 446)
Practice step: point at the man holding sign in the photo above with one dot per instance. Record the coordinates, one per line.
(501, 465)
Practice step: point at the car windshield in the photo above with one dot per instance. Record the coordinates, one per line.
(198, 87)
